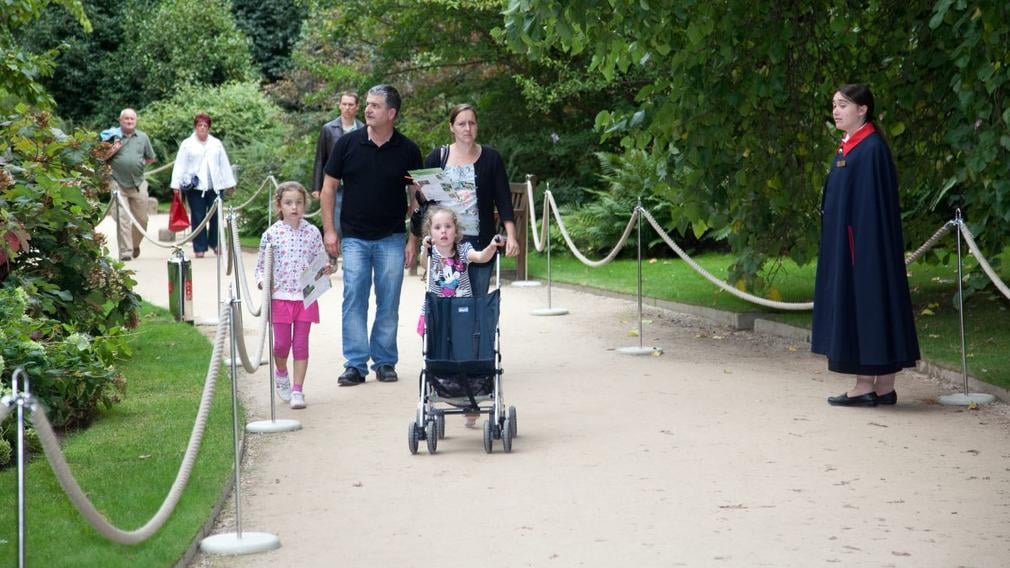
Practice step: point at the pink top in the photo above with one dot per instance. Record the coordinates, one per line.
(294, 250)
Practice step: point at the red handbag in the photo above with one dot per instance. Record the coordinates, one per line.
(178, 218)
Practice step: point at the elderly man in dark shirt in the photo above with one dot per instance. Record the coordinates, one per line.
(370, 165)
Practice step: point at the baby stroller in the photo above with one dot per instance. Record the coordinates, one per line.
(462, 370)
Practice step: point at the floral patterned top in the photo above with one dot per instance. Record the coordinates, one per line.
(464, 189)
(293, 250)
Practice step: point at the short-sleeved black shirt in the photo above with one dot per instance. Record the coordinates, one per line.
(373, 180)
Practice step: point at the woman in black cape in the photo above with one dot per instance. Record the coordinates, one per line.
(862, 308)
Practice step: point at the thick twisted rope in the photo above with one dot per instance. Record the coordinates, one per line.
(930, 242)
(571, 244)
(708, 276)
(159, 169)
(250, 365)
(241, 282)
(80, 500)
(196, 230)
(269, 179)
(983, 262)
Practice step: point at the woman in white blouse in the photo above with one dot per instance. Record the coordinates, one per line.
(202, 170)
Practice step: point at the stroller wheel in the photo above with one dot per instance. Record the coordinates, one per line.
(440, 420)
(488, 436)
(431, 435)
(513, 425)
(506, 436)
(412, 437)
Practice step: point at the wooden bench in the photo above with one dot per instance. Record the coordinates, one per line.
(521, 209)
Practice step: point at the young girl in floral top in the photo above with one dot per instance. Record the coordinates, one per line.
(296, 244)
(448, 260)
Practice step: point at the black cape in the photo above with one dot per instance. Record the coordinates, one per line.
(863, 318)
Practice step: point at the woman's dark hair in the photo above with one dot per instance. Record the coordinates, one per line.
(861, 95)
(456, 110)
(201, 117)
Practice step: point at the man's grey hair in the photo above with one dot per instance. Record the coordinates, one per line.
(389, 93)
(126, 110)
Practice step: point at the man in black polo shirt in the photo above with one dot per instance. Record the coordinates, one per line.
(371, 164)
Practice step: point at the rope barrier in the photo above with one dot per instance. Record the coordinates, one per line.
(251, 365)
(540, 239)
(708, 276)
(240, 267)
(80, 500)
(575, 251)
(269, 178)
(930, 242)
(159, 169)
(970, 239)
(196, 230)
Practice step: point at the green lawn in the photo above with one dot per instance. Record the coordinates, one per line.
(126, 461)
(987, 325)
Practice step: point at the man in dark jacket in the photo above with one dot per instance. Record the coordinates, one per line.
(332, 130)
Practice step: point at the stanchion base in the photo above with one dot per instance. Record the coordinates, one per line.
(272, 426)
(961, 399)
(549, 312)
(232, 544)
(640, 350)
(526, 283)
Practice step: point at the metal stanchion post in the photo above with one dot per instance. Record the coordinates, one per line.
(965, 398)
(549, 310)
(526, 244)
(640, 350)
(237, 542)
(21, 397)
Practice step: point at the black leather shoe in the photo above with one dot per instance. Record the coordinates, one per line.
(386, 374)
(889, 398)
(868, 399)
(351, 377)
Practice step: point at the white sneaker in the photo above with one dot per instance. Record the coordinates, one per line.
(297, 400)
(283, 386)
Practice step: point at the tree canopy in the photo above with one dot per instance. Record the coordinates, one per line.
(737, 103)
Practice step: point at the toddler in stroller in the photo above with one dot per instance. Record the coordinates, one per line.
(460, 340)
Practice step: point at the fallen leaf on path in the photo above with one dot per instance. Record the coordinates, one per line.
(144, 456)
(632, 333)
(358, 484)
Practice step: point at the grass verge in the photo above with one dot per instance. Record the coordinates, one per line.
(126, 461)
(987, 325)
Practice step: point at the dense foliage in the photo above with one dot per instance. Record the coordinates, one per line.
(444, 52)
(272, 28)
(137, 53)
(736, 104)
(63, 302)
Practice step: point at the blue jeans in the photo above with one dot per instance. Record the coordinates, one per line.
(384, 258)
(198, 207)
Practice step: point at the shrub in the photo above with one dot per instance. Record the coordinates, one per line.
(63, 302)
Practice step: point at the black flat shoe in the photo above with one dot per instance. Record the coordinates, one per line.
(889, 398)
(868, 399)
(386, 374)
(351, 377)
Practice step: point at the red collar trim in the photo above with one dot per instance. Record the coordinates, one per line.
(864, 131)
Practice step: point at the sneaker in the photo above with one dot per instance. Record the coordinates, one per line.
(351, 376)
(297, 400)
(283, 386)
